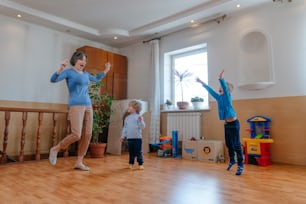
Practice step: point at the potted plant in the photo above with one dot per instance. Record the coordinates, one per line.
(101, 103)
(169, 104)
(182, 79)
(197, 102)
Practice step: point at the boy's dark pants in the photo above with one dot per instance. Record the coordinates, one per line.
(135, 150)
(232, 140)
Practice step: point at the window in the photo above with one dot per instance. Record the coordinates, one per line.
(193, 62)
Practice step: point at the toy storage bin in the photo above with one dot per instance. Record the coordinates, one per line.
(210, 150)
(189, 150)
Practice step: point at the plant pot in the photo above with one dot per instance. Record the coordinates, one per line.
(168, 107)
(97, 150)
(197, 105)
(182, 105)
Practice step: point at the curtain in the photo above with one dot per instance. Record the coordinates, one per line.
(155, 93)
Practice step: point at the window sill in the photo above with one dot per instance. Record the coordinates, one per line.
(183, 110)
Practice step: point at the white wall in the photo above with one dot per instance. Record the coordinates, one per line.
(29, 55)
(139, 59)
(285, 26)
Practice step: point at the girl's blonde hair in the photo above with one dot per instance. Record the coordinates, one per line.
(136, 105)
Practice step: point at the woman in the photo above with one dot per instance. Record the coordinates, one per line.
(80, 107)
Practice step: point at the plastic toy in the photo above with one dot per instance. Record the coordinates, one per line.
(259, 127)
(258, 145)
(165, 146)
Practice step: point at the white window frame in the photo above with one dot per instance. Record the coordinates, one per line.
(169, 78)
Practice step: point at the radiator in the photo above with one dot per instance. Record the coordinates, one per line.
(187, 124)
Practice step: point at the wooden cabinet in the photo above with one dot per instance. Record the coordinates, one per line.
(119, 75)
(115, 82)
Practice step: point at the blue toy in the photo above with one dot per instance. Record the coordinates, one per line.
(162, 151)
(175, 151)
(161, 143)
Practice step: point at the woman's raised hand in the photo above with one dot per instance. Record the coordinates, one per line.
(107, 67)
(64, 64)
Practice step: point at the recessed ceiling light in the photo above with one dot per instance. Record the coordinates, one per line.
(238, 5)
(115, 37)
(192, 21)
(19, 15)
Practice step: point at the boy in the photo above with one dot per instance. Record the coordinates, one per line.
(231, 123)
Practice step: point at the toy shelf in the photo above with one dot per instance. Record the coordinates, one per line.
(259, 149)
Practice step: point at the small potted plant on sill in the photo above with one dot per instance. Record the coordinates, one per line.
(169, 104)
(197, 102)
(101, 103)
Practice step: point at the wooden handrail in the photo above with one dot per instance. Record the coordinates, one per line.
(37, 110)
(40, 110)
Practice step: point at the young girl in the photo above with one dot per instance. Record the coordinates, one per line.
(133, 124)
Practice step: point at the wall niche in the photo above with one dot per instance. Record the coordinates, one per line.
(255, 61)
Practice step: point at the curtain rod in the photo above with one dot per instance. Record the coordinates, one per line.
(217, 19)
(146, 41)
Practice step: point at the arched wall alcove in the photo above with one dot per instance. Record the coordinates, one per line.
(255, 61)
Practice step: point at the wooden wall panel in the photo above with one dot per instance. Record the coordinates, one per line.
(288, 126)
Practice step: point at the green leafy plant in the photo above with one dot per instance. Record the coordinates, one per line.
(183, 79)
(101, 103)
(168, 102)
(197, 99)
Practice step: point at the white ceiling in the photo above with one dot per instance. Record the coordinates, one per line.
(130, 20)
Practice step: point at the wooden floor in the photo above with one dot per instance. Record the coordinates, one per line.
(164, 181)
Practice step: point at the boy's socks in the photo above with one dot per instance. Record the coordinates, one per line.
(239, 170)
(230, 164)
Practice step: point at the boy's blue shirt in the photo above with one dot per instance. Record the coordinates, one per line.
(77, 85)
(132, 128)
(225, 107)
